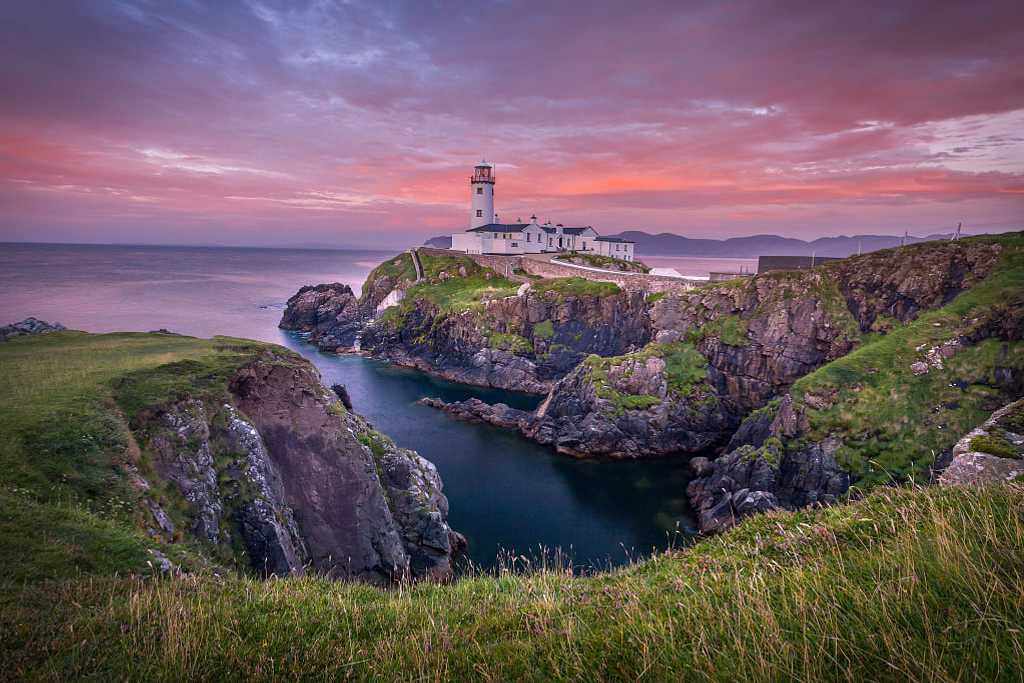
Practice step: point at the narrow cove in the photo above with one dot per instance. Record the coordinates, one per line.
(509, 496)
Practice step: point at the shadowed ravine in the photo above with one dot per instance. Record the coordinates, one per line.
(507, 494)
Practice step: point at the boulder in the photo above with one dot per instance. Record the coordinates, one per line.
(28, 326)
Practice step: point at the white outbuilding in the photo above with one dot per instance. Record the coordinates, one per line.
(487, 236)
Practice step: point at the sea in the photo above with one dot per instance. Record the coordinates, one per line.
(518, 503)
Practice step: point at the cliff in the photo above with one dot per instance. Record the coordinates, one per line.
(862, 370)
(724, 350)
(467, 323)
(224, 453)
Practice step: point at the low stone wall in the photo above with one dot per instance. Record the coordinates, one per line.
(643, 281)
(506, 265)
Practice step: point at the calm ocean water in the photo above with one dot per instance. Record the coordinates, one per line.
(507, 495)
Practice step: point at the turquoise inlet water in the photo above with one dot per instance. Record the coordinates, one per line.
(509, 496)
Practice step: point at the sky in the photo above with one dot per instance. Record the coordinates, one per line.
(357, 123)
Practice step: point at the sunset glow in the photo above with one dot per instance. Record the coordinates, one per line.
(357, 124)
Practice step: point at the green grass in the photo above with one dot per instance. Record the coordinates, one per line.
(561, 287)
(398, 268)
(685, 369)
(512, 343)
(66, 401)
(893, 423)
(729, 329)
(655, 297)
(435, 264)
(908, 584)
(545, 329)
(994, 444)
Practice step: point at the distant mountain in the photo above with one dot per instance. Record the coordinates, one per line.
(439, 242)
(667, 244)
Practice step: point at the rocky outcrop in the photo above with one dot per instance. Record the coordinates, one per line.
(993, 452)
(899, 284)
(281, 477)
(329, 313)
(756, 338)
(750, 480)
(28, 326)
(523, 342)
(475, 410)
(365, 508)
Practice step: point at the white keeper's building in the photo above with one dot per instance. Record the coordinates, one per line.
(487, 236)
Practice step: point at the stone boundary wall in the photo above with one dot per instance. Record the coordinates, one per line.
(643, 281)
(505, 265)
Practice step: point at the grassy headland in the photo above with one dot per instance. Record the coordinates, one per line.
(907, 584)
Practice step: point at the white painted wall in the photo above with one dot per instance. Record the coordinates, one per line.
(481, 210)
(468, 242)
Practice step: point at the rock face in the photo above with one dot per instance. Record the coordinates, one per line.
(991, 453)
(28, 326)
(523, 342)
(284, 472)
(750, 480)
(475, 410)
(330, 313)
(755, 337)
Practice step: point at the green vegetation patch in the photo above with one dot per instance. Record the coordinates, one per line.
(562, 287)
(453, 265)
(512, 343)
(1013, 421)
(891, 422)
(810, 596)
(65, 441)
(397, 268)
(655, 297)
(994, 444)
(729, 329)
(685, 369)
(545, 329)
(454, 295)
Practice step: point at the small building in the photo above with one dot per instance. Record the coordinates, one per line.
(487, 236)
(615, 247)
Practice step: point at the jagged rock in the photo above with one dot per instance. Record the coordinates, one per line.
(181, 445)
(163, 565)
(750, 480)
(28, 326)
(268, 524)
(281, 469)
(553, 333)
(365, 508)
(475, 410)
(971, 462)
(780, 326)
(330, 313)
(342, 393)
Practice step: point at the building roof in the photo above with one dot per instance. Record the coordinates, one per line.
(615, 239)
(576, 231)
(500, 227)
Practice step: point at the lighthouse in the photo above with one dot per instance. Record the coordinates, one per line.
(481, 187)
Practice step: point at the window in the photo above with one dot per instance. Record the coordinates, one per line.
(528, 237)
(479, 213)
(479, 190)
(515, 244)
(617, 246)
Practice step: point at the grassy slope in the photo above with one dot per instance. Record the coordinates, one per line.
(892, 422)
(905, 585)
(65, 404)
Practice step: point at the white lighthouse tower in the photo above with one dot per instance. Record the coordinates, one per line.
(481, 185)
